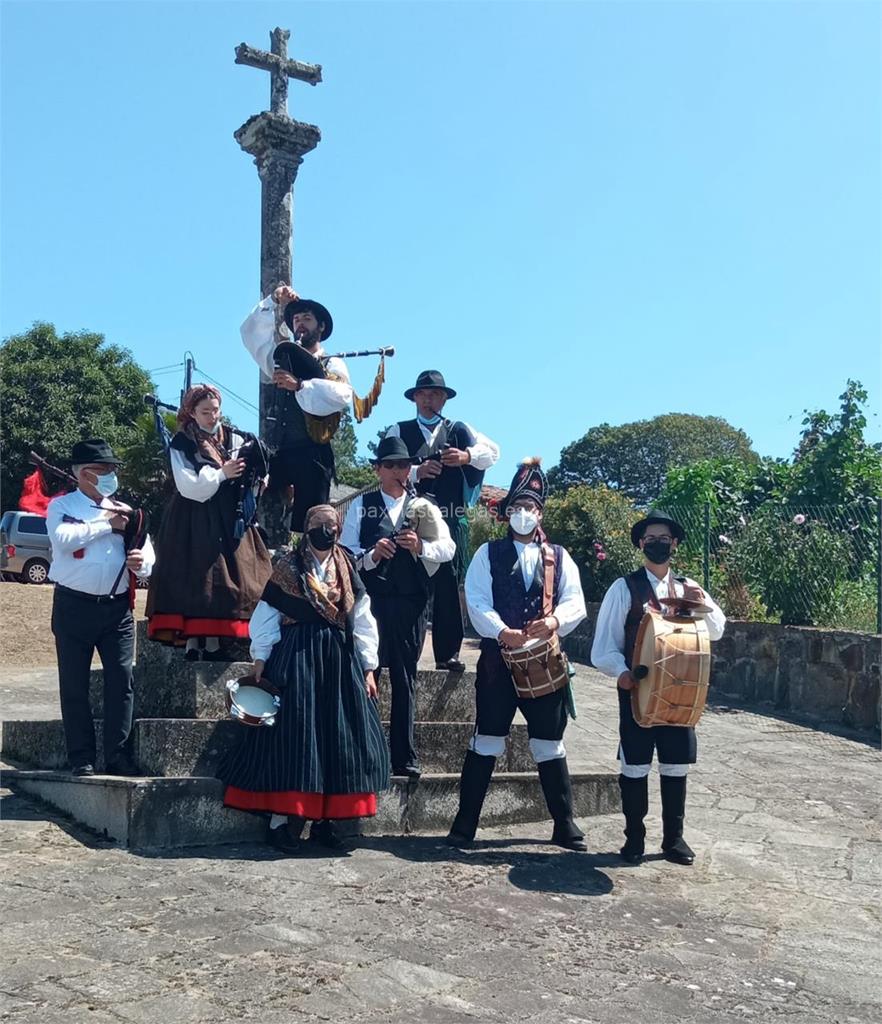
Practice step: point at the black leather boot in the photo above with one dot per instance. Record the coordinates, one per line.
(673, 796)
(555, 778)
(473, 783)
(635, 804)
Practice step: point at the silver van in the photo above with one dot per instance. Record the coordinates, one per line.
(25, 551)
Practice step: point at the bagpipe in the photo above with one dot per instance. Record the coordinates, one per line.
(294, 359)
(419, 514)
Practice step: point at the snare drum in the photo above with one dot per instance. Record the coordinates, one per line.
(671, 664)
(252, 701)
(537, 668)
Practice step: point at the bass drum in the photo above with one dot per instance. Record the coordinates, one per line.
(671, 664)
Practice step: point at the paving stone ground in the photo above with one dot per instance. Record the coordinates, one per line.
(778, 920)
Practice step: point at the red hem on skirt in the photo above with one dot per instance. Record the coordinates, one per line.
(315, 806)
(179, 626)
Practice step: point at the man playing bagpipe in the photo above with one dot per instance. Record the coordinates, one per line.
(452, 460)
(398, 539)
(621, 613)
(521, 592)
(98, 547)
(312, 391)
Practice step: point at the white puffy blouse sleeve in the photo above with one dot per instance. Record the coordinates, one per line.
(479, 595)
(608, 648)
(365, 633)
(324, 397)
(197, 485)
(265, 630)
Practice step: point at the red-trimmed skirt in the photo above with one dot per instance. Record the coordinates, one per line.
(174, 629)
(315, 806)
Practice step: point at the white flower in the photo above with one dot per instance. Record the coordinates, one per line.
(799, 519)
(724, 539)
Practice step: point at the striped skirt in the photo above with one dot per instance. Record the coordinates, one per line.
(326, 756)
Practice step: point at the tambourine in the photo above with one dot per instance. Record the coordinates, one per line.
(252, 701)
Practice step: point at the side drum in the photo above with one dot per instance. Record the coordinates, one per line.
(671, 663)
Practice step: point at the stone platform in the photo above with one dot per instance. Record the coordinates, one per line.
(181, 731)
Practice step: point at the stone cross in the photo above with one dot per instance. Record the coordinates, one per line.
(280, 67)
(278, 144)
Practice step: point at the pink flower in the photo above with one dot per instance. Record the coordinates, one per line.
(799, 519)
(598, 546)
(601, 556)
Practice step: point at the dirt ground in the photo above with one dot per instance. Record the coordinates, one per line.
(26, 639)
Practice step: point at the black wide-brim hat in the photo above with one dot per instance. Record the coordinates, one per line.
(429, 379)
(96, 449)
(302, 364)
(319, 311)
(652, 517)
(393, 449)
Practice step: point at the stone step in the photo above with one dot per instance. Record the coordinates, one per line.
(179, 746)
(175, 688)
(164, 813)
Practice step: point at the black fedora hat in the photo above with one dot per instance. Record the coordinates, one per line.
(293, 357)
(319, 311)
(96, 449)
(429, 379)
(394, 450)
(656, 516)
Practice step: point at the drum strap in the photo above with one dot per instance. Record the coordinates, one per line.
(548, 582)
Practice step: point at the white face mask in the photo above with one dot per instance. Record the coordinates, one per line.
(523, 521)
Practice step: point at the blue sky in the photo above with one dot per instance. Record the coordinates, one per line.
(579, 212)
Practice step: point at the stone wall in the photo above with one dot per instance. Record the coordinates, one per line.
(831, 675)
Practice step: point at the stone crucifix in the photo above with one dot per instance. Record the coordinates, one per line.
(280, 67)
(278, 144)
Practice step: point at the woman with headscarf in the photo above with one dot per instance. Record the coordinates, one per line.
(212, 563)
(314, 638)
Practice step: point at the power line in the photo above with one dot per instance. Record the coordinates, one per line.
(170, 366)
(227, 391)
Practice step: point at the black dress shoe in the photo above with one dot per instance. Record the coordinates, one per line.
(192, 654)
(458, 840)
(678, 852)
(281, 839)
(451, 665)
(324, 833)
(410, 771)
(576, 843)
(632, 853)
(219, 655)
(82, 770)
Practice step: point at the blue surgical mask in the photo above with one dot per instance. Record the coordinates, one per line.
(107, 484)
(431, 421)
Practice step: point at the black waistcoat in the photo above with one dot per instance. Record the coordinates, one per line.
(514, 603)
(291, 429)
(642, 594)
(401, 574)
(448, 488)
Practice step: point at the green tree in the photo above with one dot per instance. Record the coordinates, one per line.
(59, 390)
(635, 458)
(351, 469)
(594, 525)
(145, 475)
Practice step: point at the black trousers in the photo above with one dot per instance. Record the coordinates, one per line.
(496, 702)
(310, 468)
(674, 744)
(80, 626)
(446, 614)
(401, 621)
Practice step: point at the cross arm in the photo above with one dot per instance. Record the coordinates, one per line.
(311, 73)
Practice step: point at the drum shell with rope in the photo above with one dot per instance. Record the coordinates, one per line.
(671, 663)
(537, 669)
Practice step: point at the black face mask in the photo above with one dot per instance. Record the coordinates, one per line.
(657, 551)
(322, 537)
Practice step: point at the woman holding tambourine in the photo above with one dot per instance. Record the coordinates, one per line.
(314, 639)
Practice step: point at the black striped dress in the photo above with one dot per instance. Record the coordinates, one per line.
(326, 756)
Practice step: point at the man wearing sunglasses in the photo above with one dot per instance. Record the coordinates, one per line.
(396, 565)
(452, 458)
(623, 607)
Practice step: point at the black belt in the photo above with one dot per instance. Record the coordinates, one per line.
(93, 598)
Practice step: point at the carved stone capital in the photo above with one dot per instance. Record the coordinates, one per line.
(276, 139)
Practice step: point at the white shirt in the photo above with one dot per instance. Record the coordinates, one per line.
(434, 551)
(607, 651)
(318, 397)
(265, 627)
(88, 530)
(199, 483)
(482, 454)
(569, 611)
